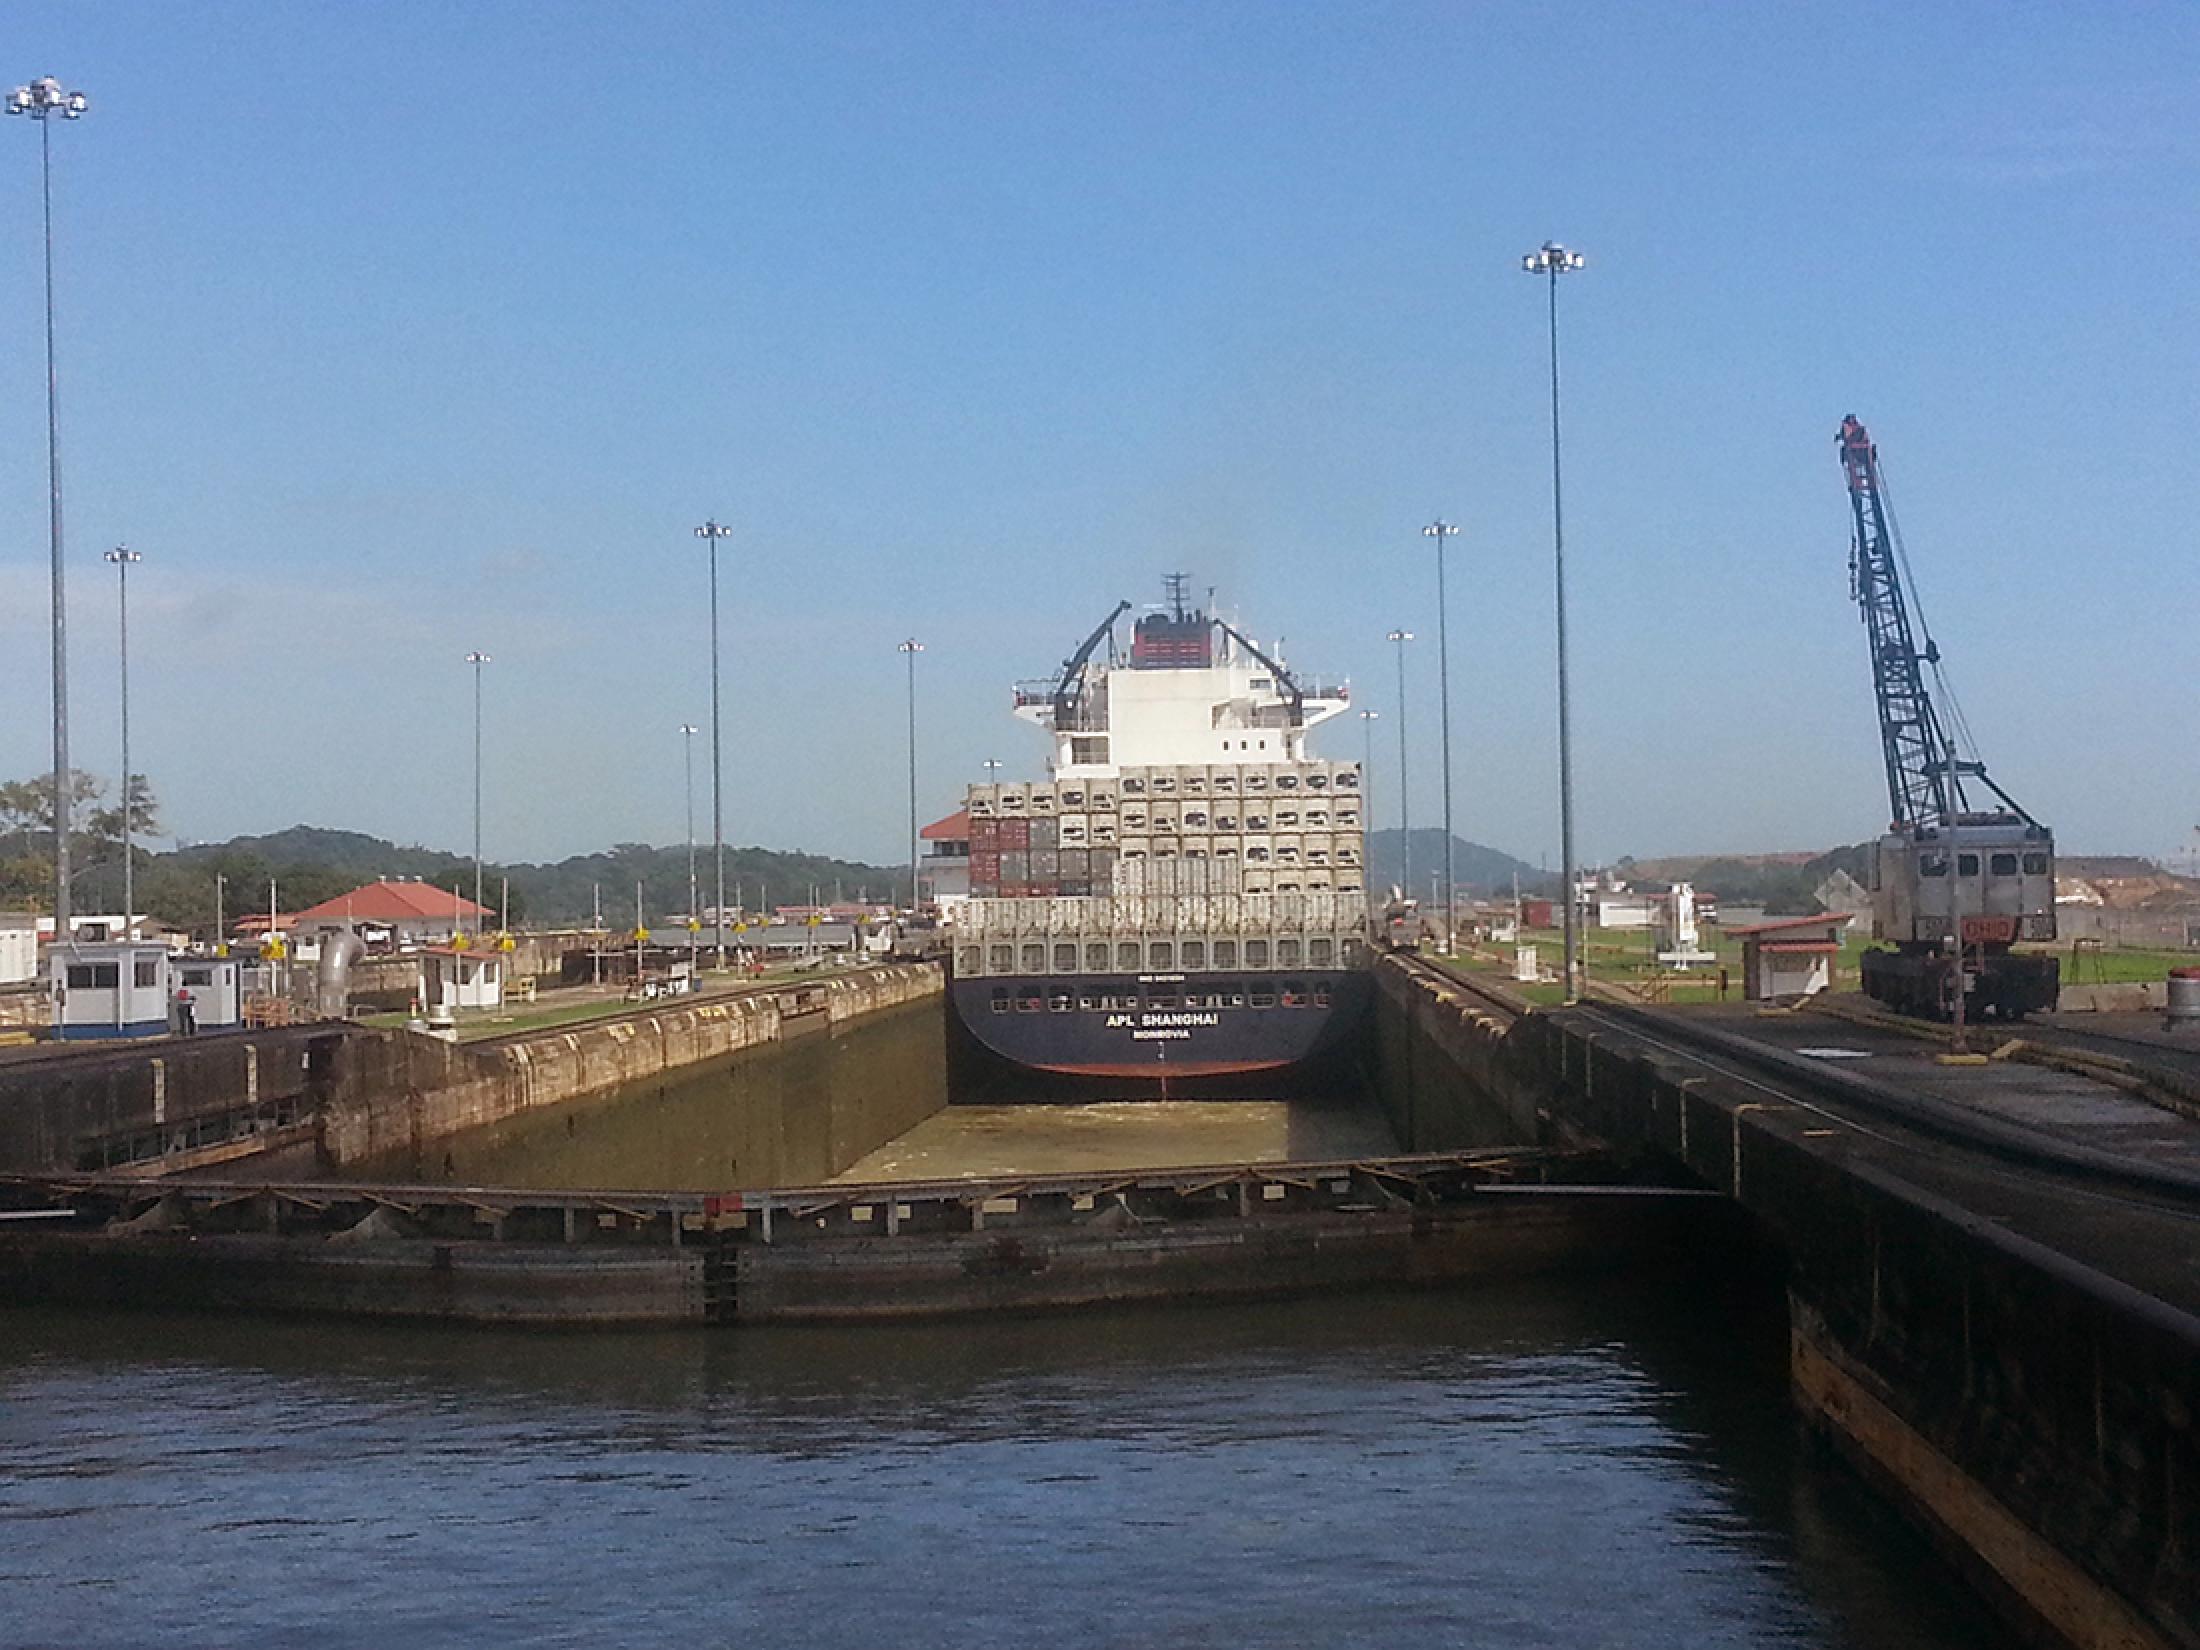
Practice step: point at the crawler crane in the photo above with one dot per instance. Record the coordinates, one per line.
(1954, 886)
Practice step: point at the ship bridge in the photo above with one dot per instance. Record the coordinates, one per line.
(1193, 690)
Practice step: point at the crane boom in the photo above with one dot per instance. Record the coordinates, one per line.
(1924, 777)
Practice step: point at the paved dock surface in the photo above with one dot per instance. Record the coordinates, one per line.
(2151, 1243)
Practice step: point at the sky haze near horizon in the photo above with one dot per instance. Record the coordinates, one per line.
(390, 333)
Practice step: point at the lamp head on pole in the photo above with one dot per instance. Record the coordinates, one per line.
(121, 555)
(1553, 260)
(690, 729)
(44, 99)
(1399, 636)
(714, 530)
(477, 659)
(912, 645)
(1439, 529)
(1370, 715)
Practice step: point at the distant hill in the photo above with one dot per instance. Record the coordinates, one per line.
(1480, 869)
(1783, 883)
(310, 863)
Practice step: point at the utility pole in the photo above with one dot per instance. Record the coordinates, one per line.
(477, 659)
(711, 532)
(122, 556)
(1368, 719)
(909, 650)
(688, 731)
(1405, 825)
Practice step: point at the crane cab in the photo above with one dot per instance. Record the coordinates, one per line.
(1985, 882)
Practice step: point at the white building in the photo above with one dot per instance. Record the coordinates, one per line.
(116, 988)
(1793, 957)
(18, 947)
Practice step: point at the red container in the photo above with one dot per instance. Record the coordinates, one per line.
(984, 833)
(1015, 834)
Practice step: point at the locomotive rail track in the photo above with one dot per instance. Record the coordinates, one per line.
(1883, 1113)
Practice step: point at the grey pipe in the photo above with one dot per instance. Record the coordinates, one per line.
(338, 953)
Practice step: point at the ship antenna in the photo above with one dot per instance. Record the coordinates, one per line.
(1175, 582)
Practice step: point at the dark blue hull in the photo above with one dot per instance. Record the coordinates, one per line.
(1115, 1025)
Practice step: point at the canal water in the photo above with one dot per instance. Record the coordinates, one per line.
(1565, 1465)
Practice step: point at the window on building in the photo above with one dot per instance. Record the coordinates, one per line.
(2003, 865)
(1256, 953)
(94, 976)
(2035, 865)
(146, 972)
(1932, 865)
(1966, 865)
(1035, 956)
(1195, 953)
(1226, 953)
(1065, 956)
(1096, 955)
(1000, 958)
(1126, 955)
(1161, 954)
(1287, 953)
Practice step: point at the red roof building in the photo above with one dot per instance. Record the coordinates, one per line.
(412, 912)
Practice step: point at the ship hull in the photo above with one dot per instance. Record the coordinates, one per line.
(1162, 1027)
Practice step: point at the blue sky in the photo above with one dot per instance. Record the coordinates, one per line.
(394, 331)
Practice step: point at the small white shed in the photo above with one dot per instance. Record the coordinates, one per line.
(1790, 958)
(217, 998)
(18, 947)
(112, 988)
(451, 978)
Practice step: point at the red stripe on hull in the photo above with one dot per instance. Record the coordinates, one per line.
(1160, 1068)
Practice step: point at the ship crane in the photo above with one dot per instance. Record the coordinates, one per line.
(1952, 883)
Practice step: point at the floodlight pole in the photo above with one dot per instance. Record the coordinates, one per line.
(1440, 531)
(1552, 260)
(45, 101)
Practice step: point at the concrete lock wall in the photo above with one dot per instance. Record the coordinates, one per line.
(319, 1098)
(1447, 1074)
(2039, 1418)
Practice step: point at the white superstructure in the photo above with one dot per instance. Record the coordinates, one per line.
(1194, 691)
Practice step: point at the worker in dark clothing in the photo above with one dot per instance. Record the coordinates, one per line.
(187, 1014)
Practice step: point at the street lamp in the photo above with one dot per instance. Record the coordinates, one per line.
(122, 556)
(1440, 530)
(909, 650)
(688, 731)
(1405, 824)
(477, 660)
(1551, 261)
(1368, 719)
(45, 101)
(711, 532)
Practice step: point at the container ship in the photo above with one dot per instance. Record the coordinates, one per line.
(1186, 896)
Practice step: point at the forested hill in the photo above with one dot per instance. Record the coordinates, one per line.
(310, 863)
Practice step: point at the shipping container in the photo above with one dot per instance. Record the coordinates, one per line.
(1045, 833)
(1015, 800)
(1015, 834)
